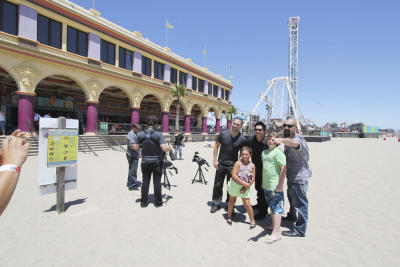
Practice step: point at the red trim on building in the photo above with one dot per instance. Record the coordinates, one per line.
(120, 37)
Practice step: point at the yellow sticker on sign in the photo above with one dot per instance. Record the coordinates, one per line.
(62, 147)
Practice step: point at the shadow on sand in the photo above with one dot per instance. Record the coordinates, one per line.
(68, 204)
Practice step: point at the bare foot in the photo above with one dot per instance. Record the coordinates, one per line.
(272, 239)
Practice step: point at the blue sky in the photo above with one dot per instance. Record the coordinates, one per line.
(349, 51)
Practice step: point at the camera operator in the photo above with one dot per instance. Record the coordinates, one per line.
(133, 158)
(258, 144)
(178, 144)
(152, 144)
(230, 142)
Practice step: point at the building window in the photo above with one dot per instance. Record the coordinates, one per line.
(48, 31)
(210, 87)
(201, 86)
(222, 93)
(107, 52)
(146, 66)
(8, 17)
(173, 75)
(125, 58)
(158, 70)
(77, 41)
(194, 83)
(215, 90)
(182, 78)
(227, 94)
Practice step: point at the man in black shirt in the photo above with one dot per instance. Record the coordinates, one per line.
(230, 142)
(152, 144)
(257, 143)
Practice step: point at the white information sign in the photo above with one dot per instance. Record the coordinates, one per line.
(47, 175)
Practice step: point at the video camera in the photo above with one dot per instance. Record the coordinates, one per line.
(198, 160)
(168, 164)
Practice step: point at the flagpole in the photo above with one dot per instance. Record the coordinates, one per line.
(166, 33)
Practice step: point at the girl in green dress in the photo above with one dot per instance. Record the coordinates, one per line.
(243, 175)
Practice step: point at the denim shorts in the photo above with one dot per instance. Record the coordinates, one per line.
(275, 201)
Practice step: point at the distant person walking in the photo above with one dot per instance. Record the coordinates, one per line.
(178, 144)
(133, 158)
(298, 174)
(230, 142)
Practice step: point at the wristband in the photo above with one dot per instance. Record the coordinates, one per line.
(10, 167)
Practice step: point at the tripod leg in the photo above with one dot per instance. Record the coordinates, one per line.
(194, 178)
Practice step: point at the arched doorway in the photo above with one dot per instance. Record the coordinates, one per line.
(150, 111)
(211, 121)
(56, 96)
(172, 117)
(195, 120)
(114, 113)
(9, 101)
(224, 121)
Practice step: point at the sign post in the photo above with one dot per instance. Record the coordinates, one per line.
(61, 146)
(60, 177)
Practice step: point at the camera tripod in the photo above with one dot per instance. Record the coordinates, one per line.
(201, 175)
(166, 180)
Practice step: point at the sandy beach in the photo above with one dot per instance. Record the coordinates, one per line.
(353, 197)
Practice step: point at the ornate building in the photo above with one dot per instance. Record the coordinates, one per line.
(60, 59)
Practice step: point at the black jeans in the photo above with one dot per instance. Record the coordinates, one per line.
(220, 174)
(147, 170)
(261, 201)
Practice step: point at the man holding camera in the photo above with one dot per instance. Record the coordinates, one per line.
(152, 144)
(178, 144)
(230, 142)
(133, 158)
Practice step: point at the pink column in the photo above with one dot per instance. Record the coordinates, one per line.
(228, 124)
(91, 117)
(165, 122)
(25, 112)
(187, 124)
(204, 125)
(135, 116)
(217, 126)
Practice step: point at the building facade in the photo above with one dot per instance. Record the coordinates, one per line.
(60, 59)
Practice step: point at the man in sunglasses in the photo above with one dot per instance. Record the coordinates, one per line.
(298, 174)
(258, 144)
(230, 142)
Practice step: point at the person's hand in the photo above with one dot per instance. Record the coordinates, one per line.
(216, 165)
(278, 188)
(15, 148)
(243, 190)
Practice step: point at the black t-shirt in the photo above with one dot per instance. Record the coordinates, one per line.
(230, 146)
(257, 148)
(178, 139)
(150, 141)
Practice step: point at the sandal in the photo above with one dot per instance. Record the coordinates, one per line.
(252, 225)
(229, 221)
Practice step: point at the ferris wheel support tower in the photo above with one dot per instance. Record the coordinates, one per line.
(293, 25)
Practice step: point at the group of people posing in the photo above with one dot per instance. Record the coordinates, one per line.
(261, 162)
(242, 161)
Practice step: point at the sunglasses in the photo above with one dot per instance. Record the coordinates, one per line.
(258, 130)
(288, 125)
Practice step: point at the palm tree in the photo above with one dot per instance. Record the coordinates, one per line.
(178, 92)
(231, 111)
